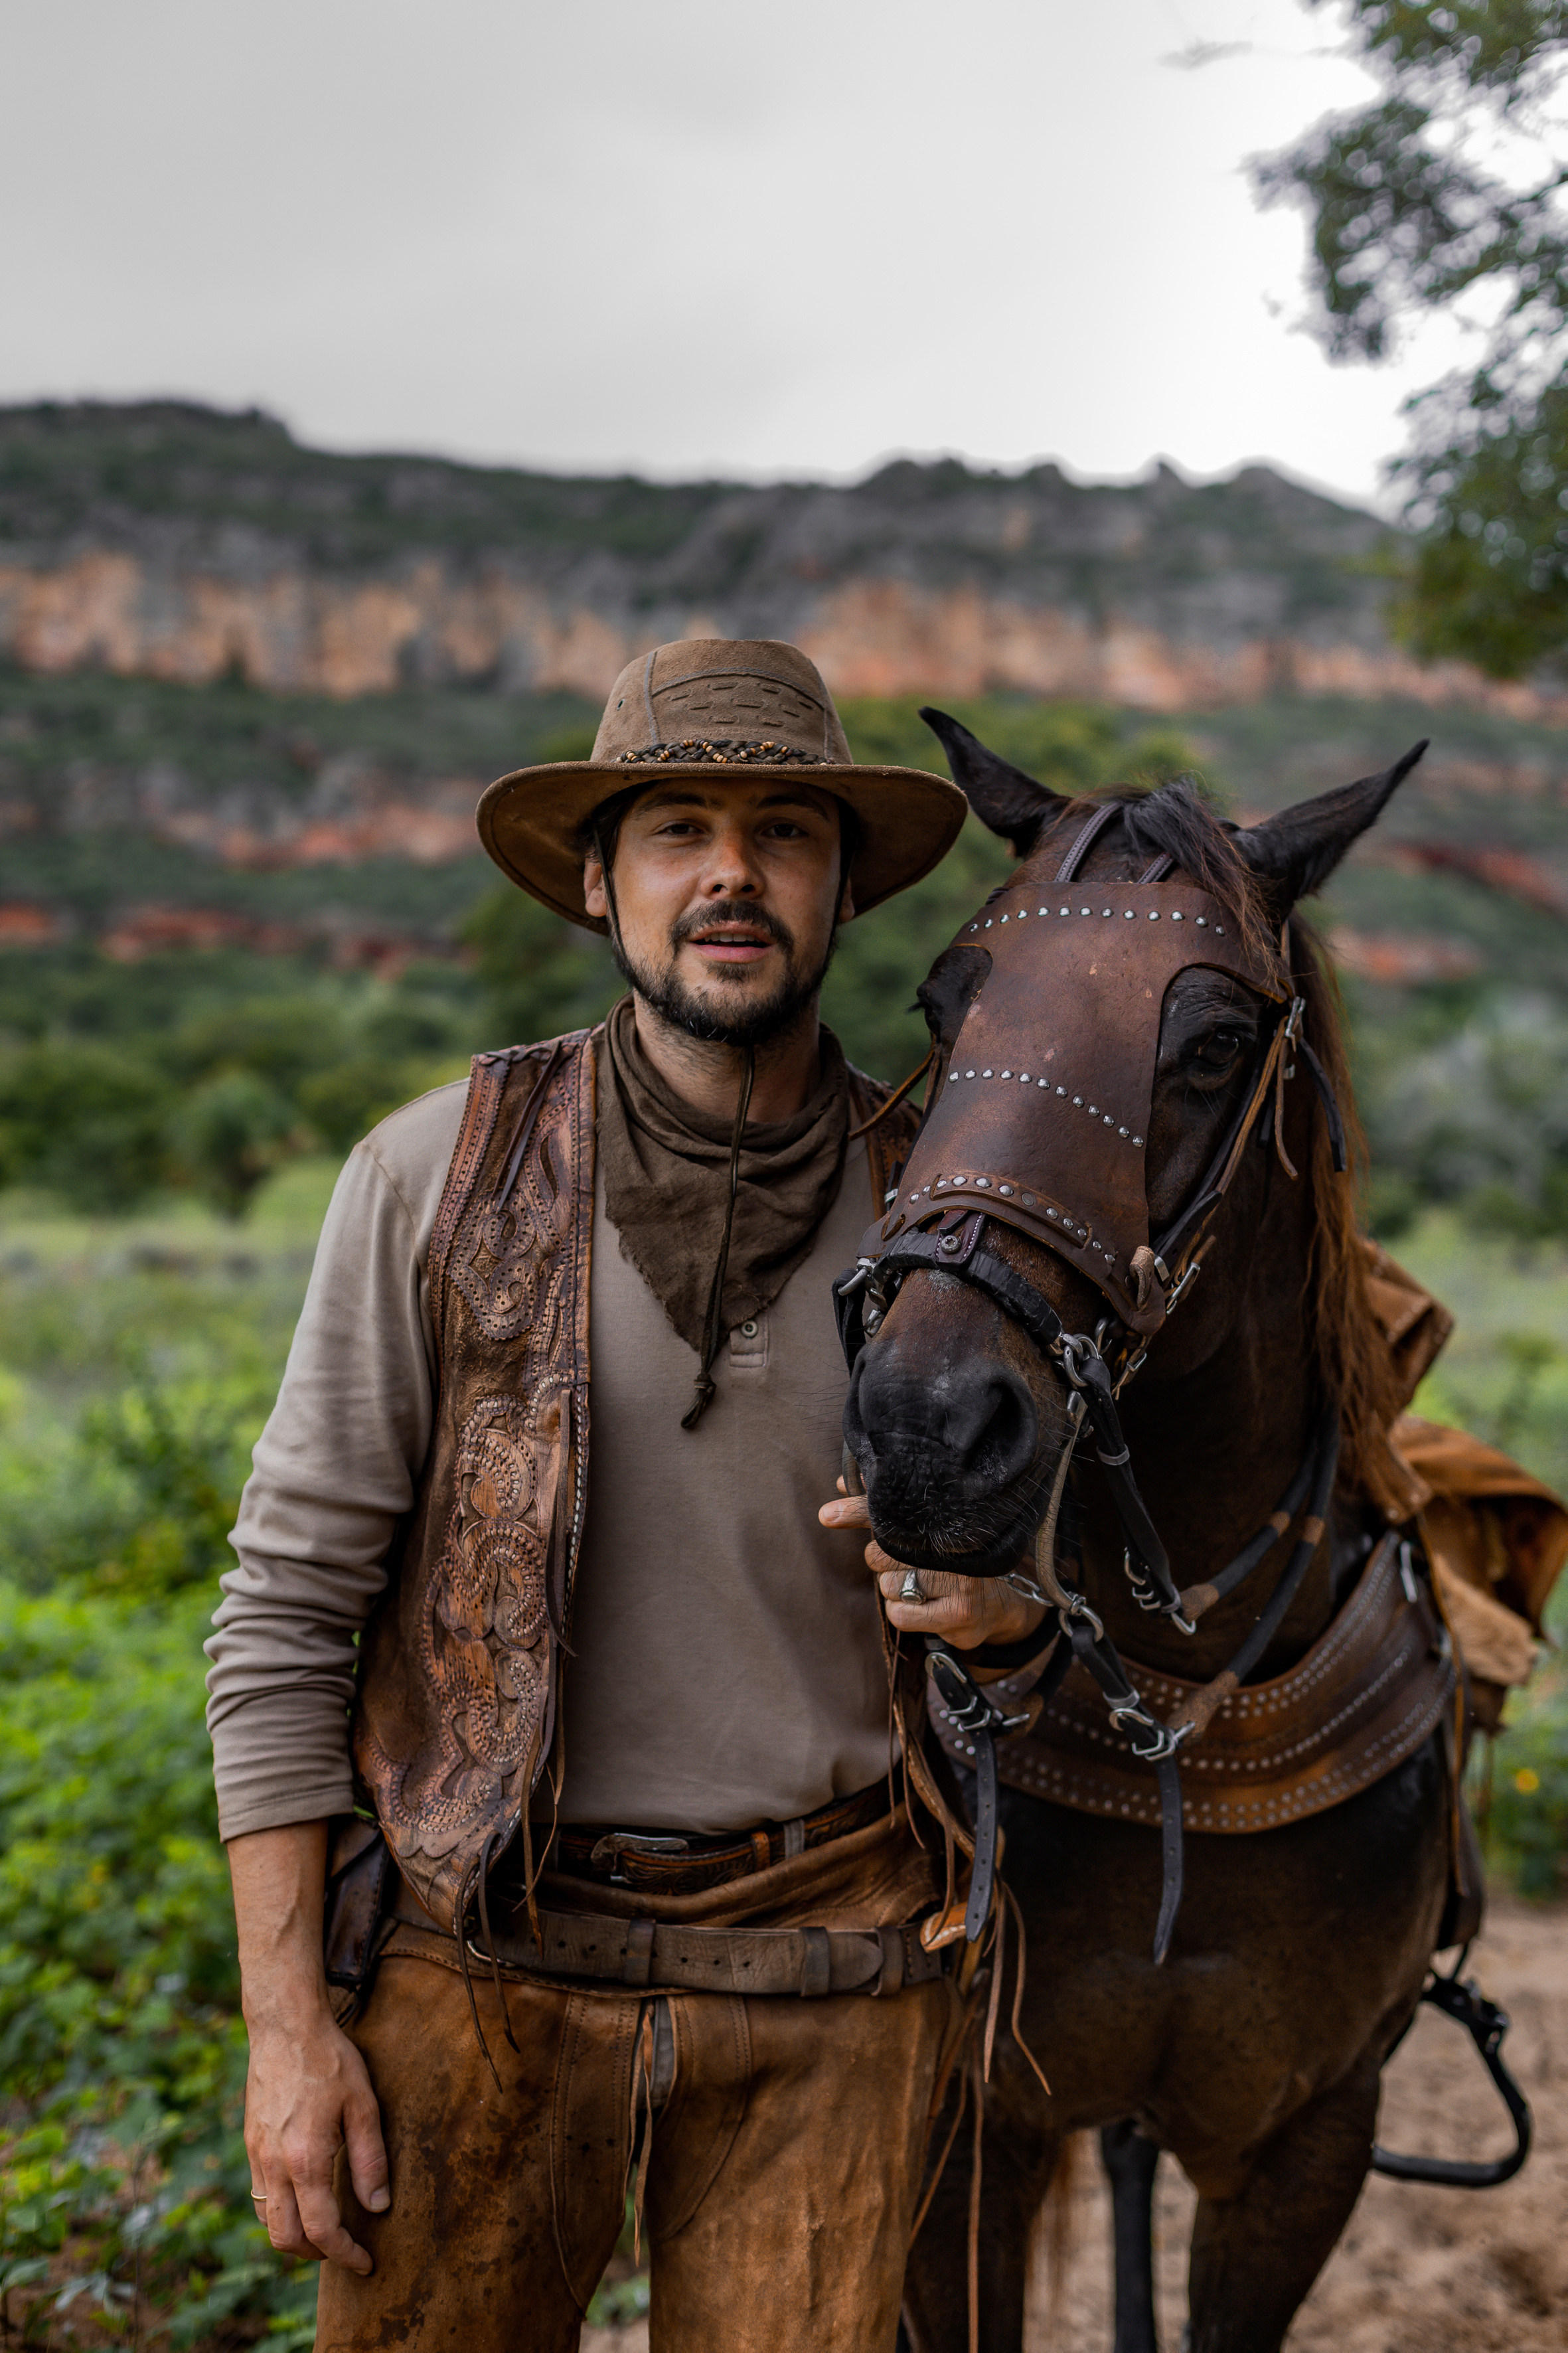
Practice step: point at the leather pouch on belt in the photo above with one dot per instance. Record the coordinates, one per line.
(360, 1880)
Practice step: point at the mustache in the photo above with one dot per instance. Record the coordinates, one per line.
(732, 911)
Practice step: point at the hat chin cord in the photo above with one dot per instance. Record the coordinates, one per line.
(712, 1330)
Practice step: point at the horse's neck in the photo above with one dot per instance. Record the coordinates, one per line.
(1214, 1452)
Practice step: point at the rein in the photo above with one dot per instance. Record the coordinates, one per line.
(939, 1238)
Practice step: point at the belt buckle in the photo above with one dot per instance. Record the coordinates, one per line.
(610, 1849)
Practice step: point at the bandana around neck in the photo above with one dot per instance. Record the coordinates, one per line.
(666, 1175)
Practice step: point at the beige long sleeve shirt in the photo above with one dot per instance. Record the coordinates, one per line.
(727, 1663)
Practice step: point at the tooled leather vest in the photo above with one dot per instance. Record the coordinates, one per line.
(461, 1662)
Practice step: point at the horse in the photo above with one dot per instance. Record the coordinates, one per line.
(1251, 2049)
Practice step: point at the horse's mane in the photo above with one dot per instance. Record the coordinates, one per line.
(1354, 1364)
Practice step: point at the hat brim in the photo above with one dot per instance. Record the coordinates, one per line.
(530, 821)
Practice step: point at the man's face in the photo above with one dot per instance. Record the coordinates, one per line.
(725, 898)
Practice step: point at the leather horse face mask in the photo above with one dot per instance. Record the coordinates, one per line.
(1041, 1118)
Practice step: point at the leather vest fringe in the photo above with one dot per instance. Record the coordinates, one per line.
(460, 1661)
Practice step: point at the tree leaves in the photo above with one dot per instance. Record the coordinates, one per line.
(1406, 218)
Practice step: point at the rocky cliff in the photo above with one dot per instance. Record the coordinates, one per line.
(168, 540)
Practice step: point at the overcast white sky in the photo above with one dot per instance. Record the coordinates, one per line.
(755, 237)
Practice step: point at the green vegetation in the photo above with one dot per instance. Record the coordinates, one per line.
(205, 1072)
(61, 463)
(136, 1362)
(1447, 188)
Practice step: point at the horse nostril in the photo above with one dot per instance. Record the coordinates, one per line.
(991, 1426)
(966, 1432)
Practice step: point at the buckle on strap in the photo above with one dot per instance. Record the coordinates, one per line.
(616, 1843)
(965, 1702)
(1165, 1742)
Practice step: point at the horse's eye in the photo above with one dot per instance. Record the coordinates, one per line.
(1219, 1048)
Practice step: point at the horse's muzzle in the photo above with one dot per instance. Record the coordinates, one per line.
(947, 1458)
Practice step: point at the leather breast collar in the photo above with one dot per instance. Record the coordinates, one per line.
(1374, 1686)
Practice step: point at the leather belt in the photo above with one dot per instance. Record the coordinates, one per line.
(662, 1863)
(805, 1961)
(660, 1954)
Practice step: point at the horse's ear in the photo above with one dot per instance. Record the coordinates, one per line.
(1294, 854)
(949, 989)
(1001, 796)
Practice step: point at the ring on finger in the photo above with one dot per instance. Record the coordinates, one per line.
(911, 1588)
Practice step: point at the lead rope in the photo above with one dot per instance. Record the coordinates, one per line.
(712, 1330)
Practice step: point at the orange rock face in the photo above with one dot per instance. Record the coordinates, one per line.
(316, 632)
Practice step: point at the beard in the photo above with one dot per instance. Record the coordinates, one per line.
(752, 1023)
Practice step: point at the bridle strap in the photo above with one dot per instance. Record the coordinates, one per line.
(1319, 1079)
(1178, 1236)
(1085, 838)
(956, 1251)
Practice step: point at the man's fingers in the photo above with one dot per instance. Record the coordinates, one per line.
(965, 1609)
(845, 1512)
(367, 2151)
(936, 1584)
(281, 2216)
(323, 2227)
(941, 1614)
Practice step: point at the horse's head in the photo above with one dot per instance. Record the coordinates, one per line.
(1113, 1032)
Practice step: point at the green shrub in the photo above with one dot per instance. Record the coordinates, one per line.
(344, 1103)
(228, 1134)
(539, 975)
(123, 2176)
(1479, 1119)
(82, 1121)
(281, 1039)
(1528, 1808)
(183, 1458)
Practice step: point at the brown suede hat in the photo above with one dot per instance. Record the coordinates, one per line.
(703, 703)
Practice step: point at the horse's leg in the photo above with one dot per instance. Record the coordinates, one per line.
(1130, 2159)
(1255, 2255)
(1016, 2166)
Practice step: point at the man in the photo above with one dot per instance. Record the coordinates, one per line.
(638, 1907)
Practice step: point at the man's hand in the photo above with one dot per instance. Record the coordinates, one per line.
(966, 1610)
(308, 2094)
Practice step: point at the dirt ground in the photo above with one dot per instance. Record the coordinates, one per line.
(1418, 2270)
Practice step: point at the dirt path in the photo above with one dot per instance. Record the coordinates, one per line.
(1418, 2270)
